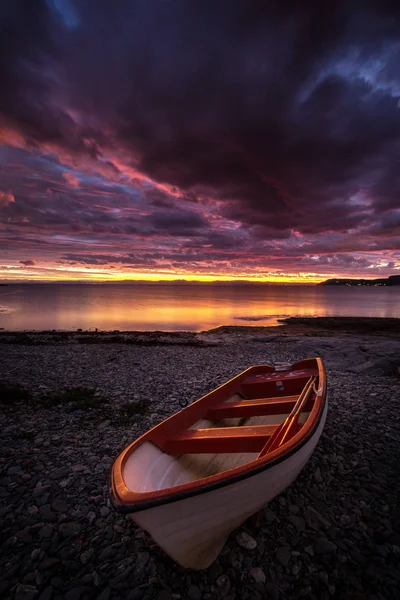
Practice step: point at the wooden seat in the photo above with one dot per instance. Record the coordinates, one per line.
(220, 439)
(252, 408)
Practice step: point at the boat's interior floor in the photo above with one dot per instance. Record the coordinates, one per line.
(151, 469)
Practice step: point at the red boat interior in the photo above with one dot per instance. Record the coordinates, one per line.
(251, 417)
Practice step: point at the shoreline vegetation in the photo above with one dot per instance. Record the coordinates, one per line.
(391, 281)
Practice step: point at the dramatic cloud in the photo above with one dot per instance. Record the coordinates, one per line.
(244, 137)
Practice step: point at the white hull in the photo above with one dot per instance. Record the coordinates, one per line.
(193, 530)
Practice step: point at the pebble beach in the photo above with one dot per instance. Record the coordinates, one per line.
(71, 402)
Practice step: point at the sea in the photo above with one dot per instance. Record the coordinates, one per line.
(182, 307)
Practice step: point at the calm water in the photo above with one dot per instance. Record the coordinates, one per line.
(180, 307)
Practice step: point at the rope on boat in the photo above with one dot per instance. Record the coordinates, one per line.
(317, 392)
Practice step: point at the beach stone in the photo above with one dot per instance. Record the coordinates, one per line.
(298, 522)
(324, 546)
(59, 473)
(272, 590)
(14, 470)
(194, 592)
(105, 594)
(74, 593)
(283, 555)
(246, 541)
(47, 593)
(354, 507)
(60, 505)
(46, 532)
(258, 574)
(25, 592)
(314, 519)
(69, 529)
(317, 475)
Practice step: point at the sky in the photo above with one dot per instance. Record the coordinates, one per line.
(210, 139)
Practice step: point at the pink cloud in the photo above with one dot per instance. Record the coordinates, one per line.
(6, 198)
(71, 179)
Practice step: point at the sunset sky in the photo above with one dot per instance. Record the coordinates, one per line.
(199, 139)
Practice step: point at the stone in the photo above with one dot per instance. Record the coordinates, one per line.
(317, 475)
(194, 593)
(283, 555)
(69, 529)
(47, 593)
(74, 594)
(224, 584)
(257, 574)
(104, 511)
(314, 519)
(246, 541)
(105, 594)
(46, 532)
(272, 591)
(298, 522)
(104, 425)
(324, 546)
(14, 470)
(59, 473)
(25, 592)
(60, 506)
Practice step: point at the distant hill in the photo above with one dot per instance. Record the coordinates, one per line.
(390, 281)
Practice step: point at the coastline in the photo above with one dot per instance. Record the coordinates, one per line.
(291, 326)
(333, 534)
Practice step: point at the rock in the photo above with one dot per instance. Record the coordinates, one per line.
(48, 563)
(91, 517)
(318, 476)
(25, 592)
(272, 590)
(104, 425)
(105, 594)
(78, 468)
(270, 516)
(194, 593)
(86, 555)
(324, 546)
(60, 506)
(362, 471)
(246, 541)
(74, 594)
(257, 574)
(69, 529)
(46, 532)
(224, 584)
(14, 470)
(47, 594)
(298, 522)
(283, 555)
(104, 511)
(59, 473)
(314, 519)
(214, 571)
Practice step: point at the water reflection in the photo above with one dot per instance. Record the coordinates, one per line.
(174, 307)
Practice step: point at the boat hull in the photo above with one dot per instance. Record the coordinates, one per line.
(194, 530)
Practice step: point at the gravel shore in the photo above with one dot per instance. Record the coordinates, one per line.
(335, 533)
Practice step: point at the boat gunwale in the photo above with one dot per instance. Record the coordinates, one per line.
(128, 501)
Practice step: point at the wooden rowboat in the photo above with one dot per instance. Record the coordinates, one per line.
(199, 474)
